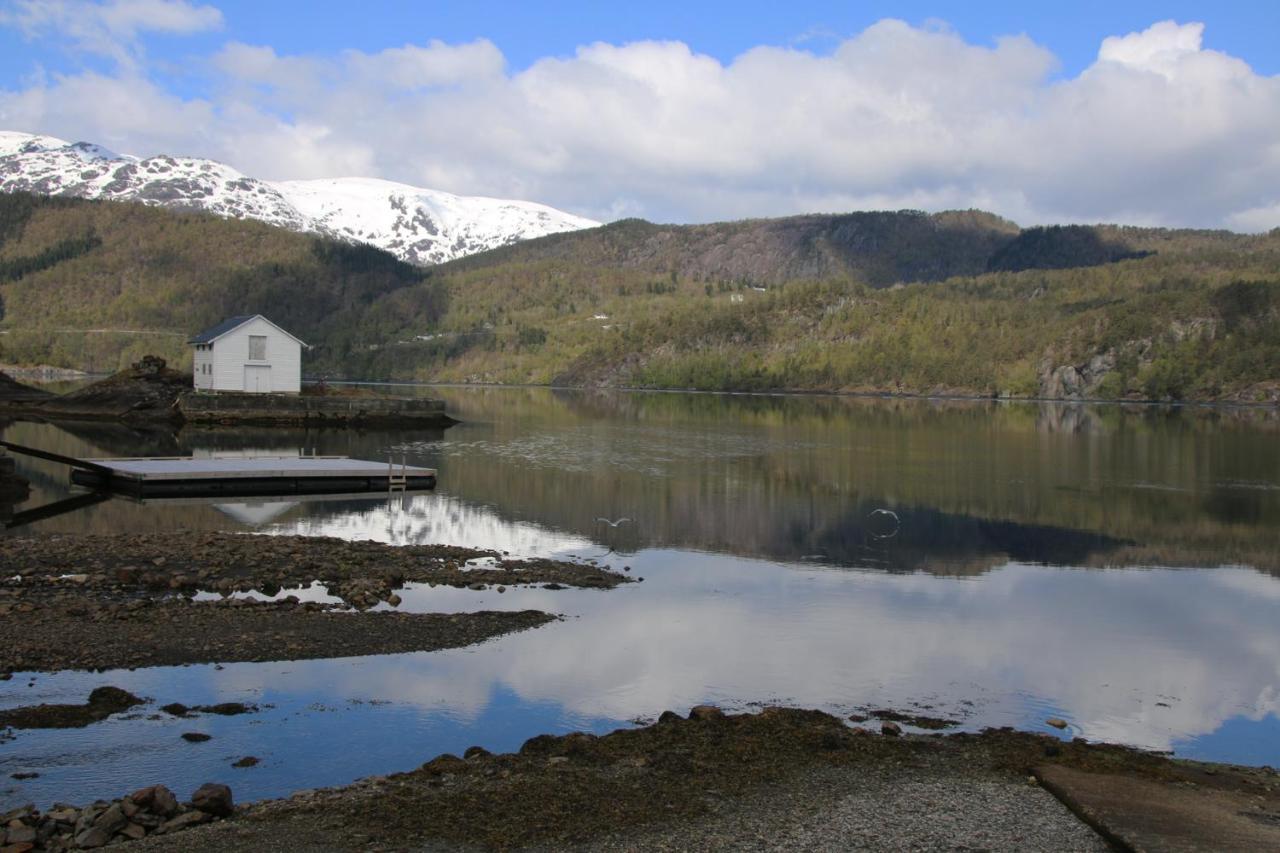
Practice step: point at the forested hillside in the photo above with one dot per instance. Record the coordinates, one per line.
(1063, 312)
(93, 284)
(906, 302)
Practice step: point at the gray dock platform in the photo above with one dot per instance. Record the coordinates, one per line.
(249, 476)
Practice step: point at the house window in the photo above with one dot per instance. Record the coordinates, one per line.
(257, 347)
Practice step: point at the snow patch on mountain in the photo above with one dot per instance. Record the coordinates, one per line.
(422, 226)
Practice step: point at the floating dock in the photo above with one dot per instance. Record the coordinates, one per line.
(238, 476)
(248, 476)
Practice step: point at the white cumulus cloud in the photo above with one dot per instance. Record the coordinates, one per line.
(109, 28)
(1158, 130)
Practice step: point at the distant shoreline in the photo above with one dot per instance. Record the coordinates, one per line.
(796, 392)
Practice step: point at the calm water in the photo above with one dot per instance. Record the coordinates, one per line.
(1119, 569)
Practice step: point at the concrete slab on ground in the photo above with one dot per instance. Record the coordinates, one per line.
(1176, 816)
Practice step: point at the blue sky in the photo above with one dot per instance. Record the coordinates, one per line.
(1142, 112)
(528, 31)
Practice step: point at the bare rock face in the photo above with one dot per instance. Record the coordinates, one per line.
(1076, 381)
(147, 390)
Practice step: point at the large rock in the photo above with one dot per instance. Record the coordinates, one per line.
(111, 820)
(213, 798)
(1076, 381)
(94, 836)
(156, 799)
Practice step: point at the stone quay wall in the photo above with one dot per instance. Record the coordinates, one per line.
(226, 407)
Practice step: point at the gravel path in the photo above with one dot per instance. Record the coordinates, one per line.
(888, 809)
(837, 809)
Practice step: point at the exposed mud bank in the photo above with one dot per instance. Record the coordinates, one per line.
(97, 602)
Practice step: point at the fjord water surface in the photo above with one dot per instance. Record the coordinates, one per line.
(990, 564)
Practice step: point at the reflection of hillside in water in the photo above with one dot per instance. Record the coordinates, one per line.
(788, 476)
(791, 478)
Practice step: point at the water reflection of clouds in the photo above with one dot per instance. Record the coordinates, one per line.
(1101, 648)
(432, 519)
(1098, 647)
(1155, 658)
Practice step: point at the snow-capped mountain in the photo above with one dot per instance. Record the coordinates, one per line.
(422, 226)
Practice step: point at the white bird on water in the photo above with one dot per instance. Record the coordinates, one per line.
(614, 523)
(881, 515)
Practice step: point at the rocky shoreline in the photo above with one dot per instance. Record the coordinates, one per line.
(779, 779)
(101, 602)
(149, 811)
(149, 391)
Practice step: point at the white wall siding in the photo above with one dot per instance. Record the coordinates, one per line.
(230, 356)
(202, 358)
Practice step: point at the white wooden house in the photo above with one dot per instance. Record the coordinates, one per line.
(248, 353)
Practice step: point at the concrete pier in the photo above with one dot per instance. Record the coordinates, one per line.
(232, 408)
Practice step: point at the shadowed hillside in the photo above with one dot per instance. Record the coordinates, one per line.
(877, 248)
(99, 284)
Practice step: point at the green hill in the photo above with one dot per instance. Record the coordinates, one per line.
(957, 302)
(99, 284)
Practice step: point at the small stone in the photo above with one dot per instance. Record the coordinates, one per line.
(227, 709)
(1056, 722)
(21, 834)
(247, 761)
(92, 837)
(213, 798)
(177, 709)
(394, 600)
(196, 737)
(134, 831)
(20, 813)
(22, 775)
(891, 729)
(184, 821)
(558, 759)
(476, 752)
(705, 712)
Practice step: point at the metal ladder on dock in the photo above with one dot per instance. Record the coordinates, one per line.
(398, 482)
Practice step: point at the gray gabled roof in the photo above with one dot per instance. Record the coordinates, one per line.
(212, 333)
